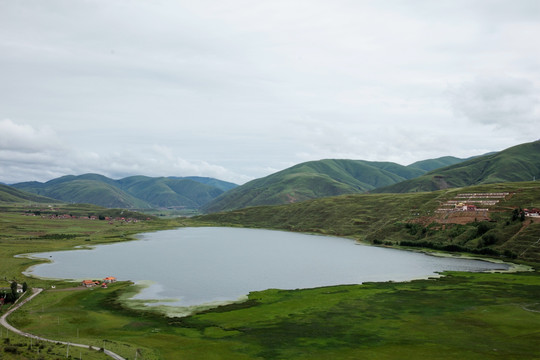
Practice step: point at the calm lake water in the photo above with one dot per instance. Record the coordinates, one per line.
(195, 266)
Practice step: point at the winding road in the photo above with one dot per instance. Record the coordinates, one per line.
(35, 292)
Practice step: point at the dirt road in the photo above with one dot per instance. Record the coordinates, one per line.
(35, 292)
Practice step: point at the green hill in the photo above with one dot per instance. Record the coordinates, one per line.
(314, 179)
(411, 219)
(432, 164)
(12, 195)
(170, 192)
(220, 184)
(134, 192)
(518, 163)
(80, 190)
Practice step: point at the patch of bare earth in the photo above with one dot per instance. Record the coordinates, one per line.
(78, 288)
(458, 217)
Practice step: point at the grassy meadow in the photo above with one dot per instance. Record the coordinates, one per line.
(468, 316)
(460, 315)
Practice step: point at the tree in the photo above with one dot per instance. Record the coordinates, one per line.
(14, 289)
(24, 286)
(515, 214)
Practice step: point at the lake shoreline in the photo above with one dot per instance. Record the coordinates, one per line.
(160, 305)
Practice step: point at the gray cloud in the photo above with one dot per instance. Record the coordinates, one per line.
(35, 153)
(25, 138)
(497, 101)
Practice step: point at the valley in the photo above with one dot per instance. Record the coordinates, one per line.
(459, 315)
(337, 321)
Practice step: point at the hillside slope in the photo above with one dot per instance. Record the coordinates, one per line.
(82, 190)
(134, 192)
(518, 163)
(413, 219)
(432, 164)
(170, 192)
(314, 179)
(12, 195)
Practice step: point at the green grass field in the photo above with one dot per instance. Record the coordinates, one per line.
(461, 315)
(466, 316)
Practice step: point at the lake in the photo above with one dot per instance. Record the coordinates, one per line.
(194, 266)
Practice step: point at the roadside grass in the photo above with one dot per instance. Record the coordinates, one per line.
(15, 347)
(78, 316)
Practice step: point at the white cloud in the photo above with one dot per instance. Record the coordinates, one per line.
(28, 153)
(220, 86)
(25, 138)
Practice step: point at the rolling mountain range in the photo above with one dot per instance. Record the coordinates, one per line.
(323, 178)
(309, 180)
(134, 192)
(9, 194)
(518, 163)
(314, 179)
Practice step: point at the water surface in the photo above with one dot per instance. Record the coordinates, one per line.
(194, 266)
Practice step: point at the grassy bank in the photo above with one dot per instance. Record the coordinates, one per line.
(22, 232)
(468, 316)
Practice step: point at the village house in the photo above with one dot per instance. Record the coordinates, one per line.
(90, 283)
(109, 280)
(534, 212)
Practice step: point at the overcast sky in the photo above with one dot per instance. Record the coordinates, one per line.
(240, 89)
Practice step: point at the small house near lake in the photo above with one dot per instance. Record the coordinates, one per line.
(90, 283)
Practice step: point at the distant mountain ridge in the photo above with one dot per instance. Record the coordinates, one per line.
(305, 181)
(134, 192)
(432, 164)
(316, 179)
(9, 194)
(518, 163)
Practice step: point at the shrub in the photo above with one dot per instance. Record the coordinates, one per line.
(509, 254)
(483, 228)
(11, 349)
(489, 239)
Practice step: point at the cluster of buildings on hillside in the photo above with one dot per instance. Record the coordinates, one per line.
(477, 202)
(501, 195)
(534, 212)
(92, 217)
(103, 283)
